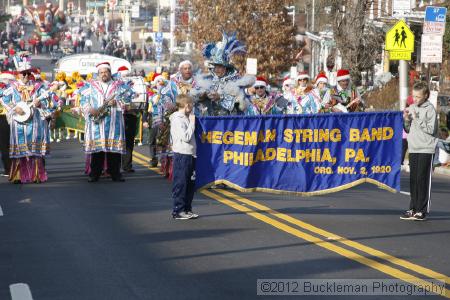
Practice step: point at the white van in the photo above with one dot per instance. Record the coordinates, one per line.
(86, 63)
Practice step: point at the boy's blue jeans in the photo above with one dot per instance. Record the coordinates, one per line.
(183, 185)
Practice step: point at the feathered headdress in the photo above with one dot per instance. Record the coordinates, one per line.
(220, 53)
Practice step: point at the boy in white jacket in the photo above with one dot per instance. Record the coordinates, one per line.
(182, 127)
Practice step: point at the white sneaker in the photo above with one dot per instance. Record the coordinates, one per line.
(193, 216)
(182, 216)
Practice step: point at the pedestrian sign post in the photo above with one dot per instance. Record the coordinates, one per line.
(400, 44)
(400, 38)
(399, 41)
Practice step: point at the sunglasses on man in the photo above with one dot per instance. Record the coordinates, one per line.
(26, 73)
(259, 87)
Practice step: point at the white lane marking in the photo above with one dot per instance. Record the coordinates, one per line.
(405, 193)
(20, 291)
(1, 212)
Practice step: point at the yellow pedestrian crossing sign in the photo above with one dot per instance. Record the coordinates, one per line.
(400, 38)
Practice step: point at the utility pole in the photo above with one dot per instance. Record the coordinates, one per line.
(126, 21)
(158, 14)
(188, 41)
(61, 5)
(173, 6)
(403, 83)
(312, 70)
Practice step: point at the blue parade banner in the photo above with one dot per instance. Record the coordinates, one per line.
(300, 154)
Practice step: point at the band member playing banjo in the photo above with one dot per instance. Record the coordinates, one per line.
(103, 102)
(346, 94)
(27, 103)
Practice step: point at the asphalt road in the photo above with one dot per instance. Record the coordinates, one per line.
(69, 239)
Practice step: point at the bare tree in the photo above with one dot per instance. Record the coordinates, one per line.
(359, 42)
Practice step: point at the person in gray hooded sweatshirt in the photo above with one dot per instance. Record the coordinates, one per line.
(182, 127)
(420, 121)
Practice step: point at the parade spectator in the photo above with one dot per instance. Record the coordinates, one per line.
(82, 44)
(184, 147)
(441, 156)
(133, 49)
(413, 75)
(88, 45)
(409, 101)
(420, 121)
(75, 44)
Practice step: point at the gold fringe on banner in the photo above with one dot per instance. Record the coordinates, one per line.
(305, 194)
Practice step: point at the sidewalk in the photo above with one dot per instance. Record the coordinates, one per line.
(439, 170)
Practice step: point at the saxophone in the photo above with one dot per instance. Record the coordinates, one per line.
(103, 110)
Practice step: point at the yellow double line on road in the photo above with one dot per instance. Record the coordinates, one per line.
(301, 229)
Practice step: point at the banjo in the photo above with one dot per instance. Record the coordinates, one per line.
(28, 111)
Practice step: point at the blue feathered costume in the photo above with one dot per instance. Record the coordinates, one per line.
(229, 87)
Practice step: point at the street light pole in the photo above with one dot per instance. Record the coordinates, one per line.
(172, 26)
(292, 13)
